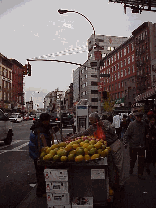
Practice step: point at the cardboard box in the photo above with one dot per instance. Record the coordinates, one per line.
(56, 175)
(57, 186)
(58, 199)
(82, 202)
(60, 206)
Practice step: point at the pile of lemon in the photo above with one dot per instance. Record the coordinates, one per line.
(79, 149)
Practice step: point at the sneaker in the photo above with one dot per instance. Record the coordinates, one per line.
(141, 177)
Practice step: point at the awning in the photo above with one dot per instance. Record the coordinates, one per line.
(146, 95)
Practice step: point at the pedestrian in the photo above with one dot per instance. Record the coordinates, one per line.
(135, 136)
(151, 142)
(116, 153)
(123, 126)
(130, 118)
(40, 136)
(116, 123)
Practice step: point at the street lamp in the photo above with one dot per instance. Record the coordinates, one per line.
(98, 62)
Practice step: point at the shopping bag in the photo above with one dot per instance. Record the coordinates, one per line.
(99, 133)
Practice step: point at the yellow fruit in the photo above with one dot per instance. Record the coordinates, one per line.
(75, 146)
(72, 152)
(105, 142)
(52, 152)
(61, 152)
(56, 158)
(92, 142)
(48, 150)
(79, 140)
(80, 151)
(86, 141)
(106, 151)
(98, 145)
(42, 154)
(71, 157)
(87, 157)
(81, 144)
(90, 147)
(62, 144)
(54, 146)
(108, 148)
(64, 158)
(92, 151)
(86, 151)
(103, 147)
(99, 151)
(79, 158)
(85, 145)
(95, 156)
(68, 148)
(47, 157)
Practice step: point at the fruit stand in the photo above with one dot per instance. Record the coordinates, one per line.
(76, 173)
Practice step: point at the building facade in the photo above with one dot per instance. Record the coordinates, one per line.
(17, 85)
(5, 83)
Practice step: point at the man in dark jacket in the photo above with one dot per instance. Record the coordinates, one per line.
(39, 128)
(135, 136)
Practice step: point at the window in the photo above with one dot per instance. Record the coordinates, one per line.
(86, 83)
(129, 70)
(124, 51)
(132, 46)
(94, 100)
(118, 75)
(133, 69)
(127, 49)
(121, 53)
(125, 72)
(117, 66)
(121, 73)
(114, 76)
(112, 59)
(119, 85)
(132, 57)
(129, 60)
(122, 84)
(94, 91)
(112, 69)
(118, 94)
(115, 57)
(121, 63)
(94, 83)
(118, 55)
(124, 62)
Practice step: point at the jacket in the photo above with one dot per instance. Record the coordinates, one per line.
(151, 140)
(135, 134)
(34, 151)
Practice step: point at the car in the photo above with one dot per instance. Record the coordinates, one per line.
(16, 117)
(6, 131)
(66, 119)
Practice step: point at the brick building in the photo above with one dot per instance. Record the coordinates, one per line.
(5, 83)
(132, 67)
(17, 85)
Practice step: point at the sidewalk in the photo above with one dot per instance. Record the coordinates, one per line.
(137, 193)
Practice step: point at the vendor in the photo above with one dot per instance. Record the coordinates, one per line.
(112, 141)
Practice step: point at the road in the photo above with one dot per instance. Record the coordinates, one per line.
(17, 176)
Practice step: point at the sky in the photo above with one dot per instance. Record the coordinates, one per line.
(34, 28)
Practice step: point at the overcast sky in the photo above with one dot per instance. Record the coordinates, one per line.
(34, 28)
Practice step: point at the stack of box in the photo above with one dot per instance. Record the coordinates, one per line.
(57, 188)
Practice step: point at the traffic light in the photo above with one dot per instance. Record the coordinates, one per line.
(29, 69)
(25, 69)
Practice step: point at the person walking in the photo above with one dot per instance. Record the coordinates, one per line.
(40, 136)
(151, 142)
(116, 123)
(135, 136)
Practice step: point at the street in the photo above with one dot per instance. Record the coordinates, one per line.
(17, 176)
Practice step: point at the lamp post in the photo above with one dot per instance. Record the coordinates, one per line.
(95, 44)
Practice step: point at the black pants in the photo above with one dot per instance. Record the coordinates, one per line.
(141, 158)
(41, 185)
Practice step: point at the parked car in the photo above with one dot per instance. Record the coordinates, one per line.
(16, 117)
(6, 131)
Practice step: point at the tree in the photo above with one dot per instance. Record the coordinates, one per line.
(108, 105)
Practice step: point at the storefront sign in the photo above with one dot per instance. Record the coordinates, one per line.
(146, 95)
